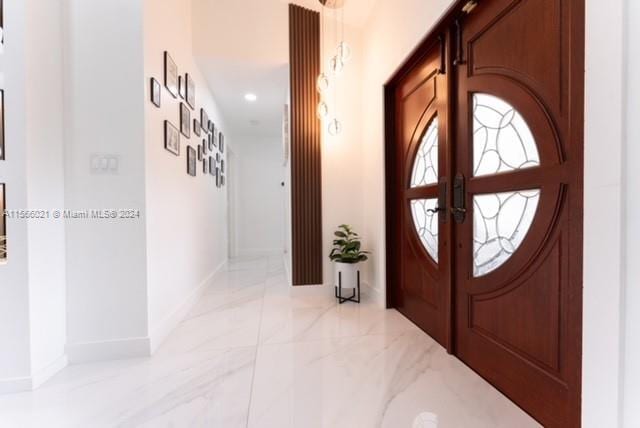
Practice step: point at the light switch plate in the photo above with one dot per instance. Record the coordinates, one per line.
(104, 164)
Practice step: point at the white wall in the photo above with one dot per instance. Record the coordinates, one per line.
(187, 221)
(32, 294)
(342, 155)
(45, 169)
(15, 365)
(106, 259)
(260, 203)
(631, 224)
(602, 337)
(392, 31)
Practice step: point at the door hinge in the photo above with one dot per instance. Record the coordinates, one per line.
(459, 59)
(469, 6)
(443, 54)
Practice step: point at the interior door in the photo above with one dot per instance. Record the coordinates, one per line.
(422, 229)
(518, 206)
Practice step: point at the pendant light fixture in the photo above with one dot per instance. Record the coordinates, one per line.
(336, 65)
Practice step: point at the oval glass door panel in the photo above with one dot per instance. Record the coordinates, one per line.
(502, 140)
(426, 224)
(425, 165)
(500, 224)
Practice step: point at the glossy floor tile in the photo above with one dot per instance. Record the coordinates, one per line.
(254, 353)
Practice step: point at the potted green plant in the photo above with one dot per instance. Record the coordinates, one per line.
(347, 254)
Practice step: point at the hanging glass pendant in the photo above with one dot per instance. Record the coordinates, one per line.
(335, 127)
(344, 51)
(323, 110)
(322, 83)
(336, 65)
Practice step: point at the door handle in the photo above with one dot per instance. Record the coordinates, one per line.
(459, 210)
(435, 210)
(441, 209)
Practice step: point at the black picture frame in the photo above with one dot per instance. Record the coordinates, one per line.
(218, 181)
(196, 127)
(204, 147)
(222, 180)
(171, 138)
(170, 75)
(191, 161)
(215, 137)
(156, 93)
(221, 142)
(204, 120)
(217, 156)
(185, 120)
(190, 87)
(181, 87)
(205, 167)
(211, 142)
(222, 166)
(2, 152)
(199, 152)
(212, 166)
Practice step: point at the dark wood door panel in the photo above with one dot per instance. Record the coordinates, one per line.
(423, 278)
(506, 82)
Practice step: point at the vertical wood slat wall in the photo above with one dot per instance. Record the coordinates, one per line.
(306, 175)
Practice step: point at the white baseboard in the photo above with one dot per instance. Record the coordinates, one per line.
(118, 349)
(16, 384)
(46, 373)
(258, 252)
(374, 294)
(138, 347)
(29, 383)
(166, 326)
(287, 267)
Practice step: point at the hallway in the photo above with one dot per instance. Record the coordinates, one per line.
(254, 353)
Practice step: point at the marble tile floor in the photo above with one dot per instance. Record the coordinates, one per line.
(254, 353)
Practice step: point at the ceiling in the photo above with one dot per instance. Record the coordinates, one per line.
(241, 46)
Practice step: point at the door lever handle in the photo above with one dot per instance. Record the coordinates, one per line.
(458, 210)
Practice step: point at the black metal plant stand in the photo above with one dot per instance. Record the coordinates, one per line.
(355, 297)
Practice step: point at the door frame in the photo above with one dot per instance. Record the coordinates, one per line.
(576, 69)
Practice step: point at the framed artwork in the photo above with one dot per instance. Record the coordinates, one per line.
(221, 142)
(211, 126)
(170, 75)
(211, 142)
(199, 152)
(204, 120)
(181, 87)
(204, 147)
(191, 161)
(222, 180)
(222, 166)
(2, 127)
(215, 137)
(171, 138)
(156, 92)
(196, 127)
(212, 166)
(218, 157)
(190, 87)
(185, 120)
(218, 178)
(205, 167)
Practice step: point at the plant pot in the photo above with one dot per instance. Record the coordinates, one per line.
(348, 272)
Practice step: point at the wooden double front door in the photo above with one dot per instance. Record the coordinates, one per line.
(484, 196)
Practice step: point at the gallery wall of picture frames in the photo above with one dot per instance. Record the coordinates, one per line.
(210, 151)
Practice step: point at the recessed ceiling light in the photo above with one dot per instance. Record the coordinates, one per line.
(250, 97)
